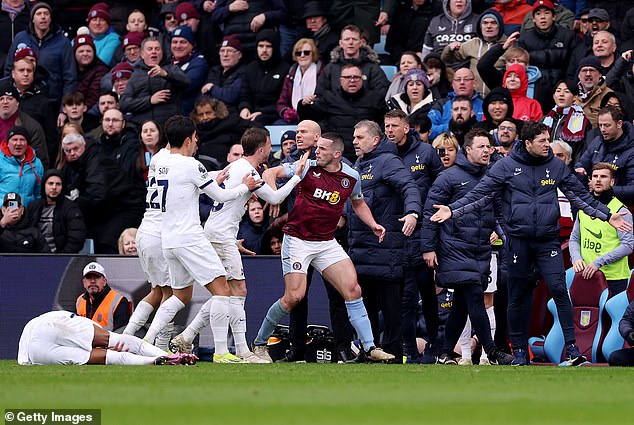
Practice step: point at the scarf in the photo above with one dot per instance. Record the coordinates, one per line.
(303, 85)
(583, 95)
(573, 128)
(12, 11)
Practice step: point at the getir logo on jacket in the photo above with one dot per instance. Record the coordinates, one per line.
(332, 197)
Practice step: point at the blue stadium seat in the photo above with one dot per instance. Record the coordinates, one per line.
(89, 247)
(379, 47)
(615, 308)
(276, 133)
(390, 71)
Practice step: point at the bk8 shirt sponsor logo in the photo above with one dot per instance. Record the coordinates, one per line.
(332, 197)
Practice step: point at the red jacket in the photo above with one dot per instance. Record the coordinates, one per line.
(524, 108)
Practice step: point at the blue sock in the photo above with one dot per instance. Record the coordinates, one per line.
(358, 317)
(274, 316)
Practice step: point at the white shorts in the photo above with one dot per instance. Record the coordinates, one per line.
(152, 261)
(493, 274)
(298, 254)
(56, 337)
(193, 264)
(231, 259)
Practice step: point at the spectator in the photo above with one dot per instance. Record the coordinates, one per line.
(625, 356)
(439, 75)
(604, 47)
(105, 306)
(224, 81)
(263, 80)
(59, 220)
(462, 118)
(516, 82)
(131, 45)
(549, 46)
(136, 22)
(14, 17)
(497, 106)
(168, 22)
(564, 16)
(10, 115)
(287, 141)
(153, 91)
(17, 235)
(422, 124)
(408, 26)
(53, 50)
(416, 96)
(506, 135)
(456, 23)
(107, 100)
(351, 50)
(615, 146)
(74, 109)
(235, 152)
(20, 170)
(396, 202)
(343, 107)
(152, 141)
(627, 31)
(567, 121)
(272, 242)
(119, 77)
(106, 40)
(324, 37)
(597, 246)
(447, 148)
(193, 64)
(464, 84)
(217, 129)
(489, 32)
(592, 88)
(252, 228)
(90, 69)
(621, 79)
(67, 129)
(301, 79)
(407, 61)
(108, 201)
(127, 242)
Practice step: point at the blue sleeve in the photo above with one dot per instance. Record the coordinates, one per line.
(437, 124)
(229, 94)
(482, 194)
(197, 73)
(221, 12)
(581, 199)
(108, 48)
(69, 75)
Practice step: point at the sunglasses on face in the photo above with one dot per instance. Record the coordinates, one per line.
(303, 53)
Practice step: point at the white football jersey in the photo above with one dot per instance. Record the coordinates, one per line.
(224, 218)
(152, 218)
(181, 179)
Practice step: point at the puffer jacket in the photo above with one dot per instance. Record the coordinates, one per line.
(462, 245)
(390, 193)
(23, 177)
(527, 189)
(620, 155)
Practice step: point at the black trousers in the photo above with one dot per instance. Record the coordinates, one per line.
(622, 357)
(418, 280)
(468, 300)
(298, 319)
(384, 296)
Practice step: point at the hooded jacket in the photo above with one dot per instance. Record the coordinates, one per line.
(23, 177)
(462, 245)
(620, 155)
(498, 93)
(445, 29)
(524, 108)
(69, 230)
(527, 188)
(263, 80)
(473, 49)
(390, 192)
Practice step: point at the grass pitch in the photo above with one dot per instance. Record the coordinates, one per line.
(288, 394)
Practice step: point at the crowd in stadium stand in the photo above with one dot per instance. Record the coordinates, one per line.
(87, 88)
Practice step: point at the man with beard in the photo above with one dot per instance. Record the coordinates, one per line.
(120, 143)
(506, 135)
(462, 118)
(592, 88)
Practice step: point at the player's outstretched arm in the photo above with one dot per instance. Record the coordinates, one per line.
(443, 214)
(275, 197)
(363, 211)
(616, 220)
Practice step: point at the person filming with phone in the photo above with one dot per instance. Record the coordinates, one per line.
(16, 234)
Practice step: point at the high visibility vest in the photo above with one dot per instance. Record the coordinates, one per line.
(598, 237)
(104, 315)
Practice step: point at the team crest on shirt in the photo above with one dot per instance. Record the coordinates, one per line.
(345, 183)
(297, 265)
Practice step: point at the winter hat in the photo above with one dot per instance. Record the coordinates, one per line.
(416, 74)
(132, 39)
(39, 6)
(99, 10)
(184, 31)
(186, 10)
(232, 41)
(287, 135)
(83, 40)
(313, 8)
(8, 89)
(24, 52)
(599, 14)
(121, 70)
(592, 61)
(18, 130)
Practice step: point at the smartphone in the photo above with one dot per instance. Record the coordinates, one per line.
(441, 152)
(12, 205)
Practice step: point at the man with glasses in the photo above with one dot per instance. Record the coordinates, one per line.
(121, 144)
(153, 91)
(464, 84)
(592, 88)
(596, 20)
(341, 108)
(224, 81)
(353, 51)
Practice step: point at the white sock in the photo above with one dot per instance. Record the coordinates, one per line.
(134, 345)
(163, 316)
(139, 317)
(219, 321)
(238, 323)
(163, 337)
(200, 321)
(492, 323)
(465, 340)
(127, 359)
